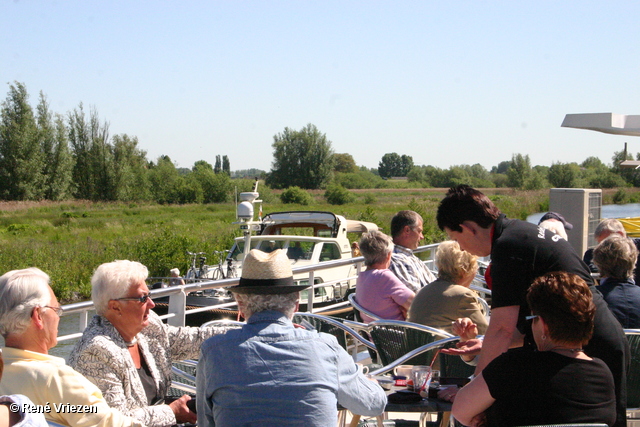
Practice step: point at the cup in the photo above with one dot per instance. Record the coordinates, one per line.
(435, 378)
(421, 376)
(363, 369)
(403, 371)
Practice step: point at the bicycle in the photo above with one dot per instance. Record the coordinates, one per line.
(195, 272)
(218, 272)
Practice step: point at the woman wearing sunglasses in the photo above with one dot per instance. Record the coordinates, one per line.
(127, 351)
(555, 384)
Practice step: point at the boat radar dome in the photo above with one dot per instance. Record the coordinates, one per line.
(245, 208)
(245, 211)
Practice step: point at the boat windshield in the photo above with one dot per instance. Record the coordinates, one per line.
(296, 249)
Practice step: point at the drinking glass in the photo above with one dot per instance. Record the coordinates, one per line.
(421, 376)
(435, 378)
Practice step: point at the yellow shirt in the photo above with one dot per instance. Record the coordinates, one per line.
(64, 395)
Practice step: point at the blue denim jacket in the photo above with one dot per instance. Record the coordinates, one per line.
(271, 374)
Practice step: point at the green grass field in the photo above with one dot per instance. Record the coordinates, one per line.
(68, 240)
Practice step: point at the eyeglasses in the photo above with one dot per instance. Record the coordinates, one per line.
(141, 300)
(57, 310)
(533, 316)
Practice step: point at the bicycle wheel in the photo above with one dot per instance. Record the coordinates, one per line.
(217, 274)
(232, 272)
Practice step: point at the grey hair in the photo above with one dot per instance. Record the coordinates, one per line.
(20, 292)
(255, 303)
(616, 257)
(112, 280)
(609, 226)
(375, 246)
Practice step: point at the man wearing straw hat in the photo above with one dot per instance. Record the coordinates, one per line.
(270, 373)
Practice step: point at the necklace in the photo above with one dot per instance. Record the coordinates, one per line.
(132, 342)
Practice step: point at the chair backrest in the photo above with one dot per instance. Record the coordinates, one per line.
(633, 373)
(360, 309)
(333, 326)
(395, 338)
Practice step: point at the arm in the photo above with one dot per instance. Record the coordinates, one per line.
(109, 373)
(204, 406)
(468, 306)
(501, 335)
(355, 392)
(66, 386)
(471, 401)
(185, 341)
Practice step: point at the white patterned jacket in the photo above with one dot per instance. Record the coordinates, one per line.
(102, 356)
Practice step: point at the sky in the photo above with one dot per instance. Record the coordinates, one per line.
(446, 82)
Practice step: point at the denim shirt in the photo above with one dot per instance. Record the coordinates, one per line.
(271, 374)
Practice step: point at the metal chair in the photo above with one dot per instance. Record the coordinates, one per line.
(334, 327)
(360, 309)
(395, 338)
(633, 378)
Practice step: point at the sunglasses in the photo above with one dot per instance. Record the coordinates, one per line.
(141, 299)
(533, 316)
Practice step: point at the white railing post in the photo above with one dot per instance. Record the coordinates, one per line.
(177, 306)
(312, 292)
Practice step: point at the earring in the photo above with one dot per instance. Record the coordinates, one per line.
(544, 337)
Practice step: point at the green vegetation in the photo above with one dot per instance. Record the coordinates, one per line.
(68, 240)
(295, 195)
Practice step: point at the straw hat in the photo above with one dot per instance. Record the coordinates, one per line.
(266, 273)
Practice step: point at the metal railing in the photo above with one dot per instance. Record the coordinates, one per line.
(178, 311)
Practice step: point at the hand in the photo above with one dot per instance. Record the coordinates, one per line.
(182, 412)
(465, 329)
(448, 393)
(467, 349)
(479, 420)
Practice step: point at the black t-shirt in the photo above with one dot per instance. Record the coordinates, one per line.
(534, 388)
(520, 253)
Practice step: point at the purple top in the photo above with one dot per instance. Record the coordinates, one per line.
(382, 293)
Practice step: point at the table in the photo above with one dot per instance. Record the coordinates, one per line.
(425, 406)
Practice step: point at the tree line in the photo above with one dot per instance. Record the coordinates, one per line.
(47, 155)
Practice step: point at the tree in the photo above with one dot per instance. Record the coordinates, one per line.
(565, 175)
(226, 166)
(218, 167)
(58, 161)
(130, 164)
(93, 172)
(21, 158)
(519, 171)
(343, 162)
(302, 158)
(392, 164)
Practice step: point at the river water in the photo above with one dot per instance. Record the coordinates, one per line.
(608, 211)
(69, 324)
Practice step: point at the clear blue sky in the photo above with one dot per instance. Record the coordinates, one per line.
(447, 82)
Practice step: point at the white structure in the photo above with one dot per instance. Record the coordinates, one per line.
(612, 123)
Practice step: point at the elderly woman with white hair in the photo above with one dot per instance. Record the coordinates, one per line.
(449, 298)
(29, 317)
(379, 290)
(127, 351)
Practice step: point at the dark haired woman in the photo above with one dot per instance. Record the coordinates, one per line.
(556, 384)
